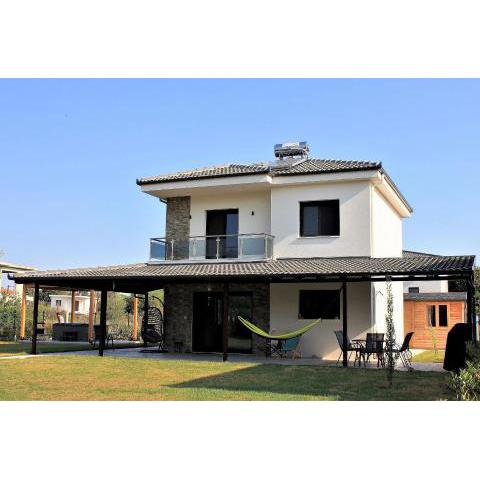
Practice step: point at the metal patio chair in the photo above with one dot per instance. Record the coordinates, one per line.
(373, 346)
(351, 347)
(403, 351)
(97, 333)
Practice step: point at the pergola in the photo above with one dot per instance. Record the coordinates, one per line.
(142, 278)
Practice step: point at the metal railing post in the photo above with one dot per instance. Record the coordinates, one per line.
(240, 248)
(218, 248)
(172, 241)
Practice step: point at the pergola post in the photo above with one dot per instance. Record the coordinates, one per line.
(225, 305)
(145, 317)
(91, 315)
(345, 324)
(35, 319)
(471, 314)
(135, 318)
(72, 313)
(103, 322)
(23, 312)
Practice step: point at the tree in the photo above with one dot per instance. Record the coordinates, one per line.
(461, 286)
(129, 307)
(390, 340)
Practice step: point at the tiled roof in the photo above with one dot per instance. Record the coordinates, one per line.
(327, 166)
(412, 254)
(299, 168)
(207, 172)
(440, 296)
(280, 268)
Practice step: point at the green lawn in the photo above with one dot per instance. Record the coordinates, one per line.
(429, 356)
(8, 349)
(76, 377)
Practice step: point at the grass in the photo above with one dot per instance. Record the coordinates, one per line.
(76, 377)
(429, 356)
(8, 349)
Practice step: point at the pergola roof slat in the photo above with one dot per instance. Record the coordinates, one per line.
(344, 267)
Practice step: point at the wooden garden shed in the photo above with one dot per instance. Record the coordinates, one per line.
(432, 315)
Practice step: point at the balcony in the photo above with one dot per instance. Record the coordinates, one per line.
(245, 247)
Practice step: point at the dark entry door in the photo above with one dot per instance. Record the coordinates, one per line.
(222, 224)
(207, 322)
(239, 337)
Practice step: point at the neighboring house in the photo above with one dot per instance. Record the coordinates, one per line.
(280, 243)
(9, 268)
(63, 304)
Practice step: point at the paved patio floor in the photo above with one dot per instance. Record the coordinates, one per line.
(209, 357)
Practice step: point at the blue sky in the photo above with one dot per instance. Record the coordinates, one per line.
(70, 151)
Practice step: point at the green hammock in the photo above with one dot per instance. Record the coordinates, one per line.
(283, 336)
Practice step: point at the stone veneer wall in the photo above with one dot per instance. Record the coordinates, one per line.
(179, 311)
(177, 226)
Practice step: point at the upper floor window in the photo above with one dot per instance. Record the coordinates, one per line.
(413, 290)
(321, 218)
(58, 303)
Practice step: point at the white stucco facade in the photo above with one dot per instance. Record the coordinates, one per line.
(386, 227)
(354, 238)
(253, 210)
(366, 308)
(432, 286)
(371, 214)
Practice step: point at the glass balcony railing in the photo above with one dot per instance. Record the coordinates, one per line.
(257, 246)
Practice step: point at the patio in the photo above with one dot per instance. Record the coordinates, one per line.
(346, 273)
(136, 353)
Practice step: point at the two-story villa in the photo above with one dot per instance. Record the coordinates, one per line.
(279, 243)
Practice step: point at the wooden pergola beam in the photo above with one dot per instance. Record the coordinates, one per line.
(103, 322)
(35, 318)
(145, 317)
(345, 324)
(23, 312)
(135, 318)
(91, 314)
(225, 305)
(72, 312)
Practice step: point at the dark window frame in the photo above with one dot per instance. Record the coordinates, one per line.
(444, 308)
(302, 307)
(431, 323)
(335, 229)
(413, 289)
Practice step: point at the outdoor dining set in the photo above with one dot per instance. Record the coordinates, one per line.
(373, 346)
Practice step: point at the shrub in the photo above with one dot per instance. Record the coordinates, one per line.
(9, 316)
(473, 352)
(466, 384)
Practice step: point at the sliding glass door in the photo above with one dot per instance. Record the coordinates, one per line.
(222, 228)
(207, 326)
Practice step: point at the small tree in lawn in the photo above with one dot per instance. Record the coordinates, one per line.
(390, 339)
(129, 308)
